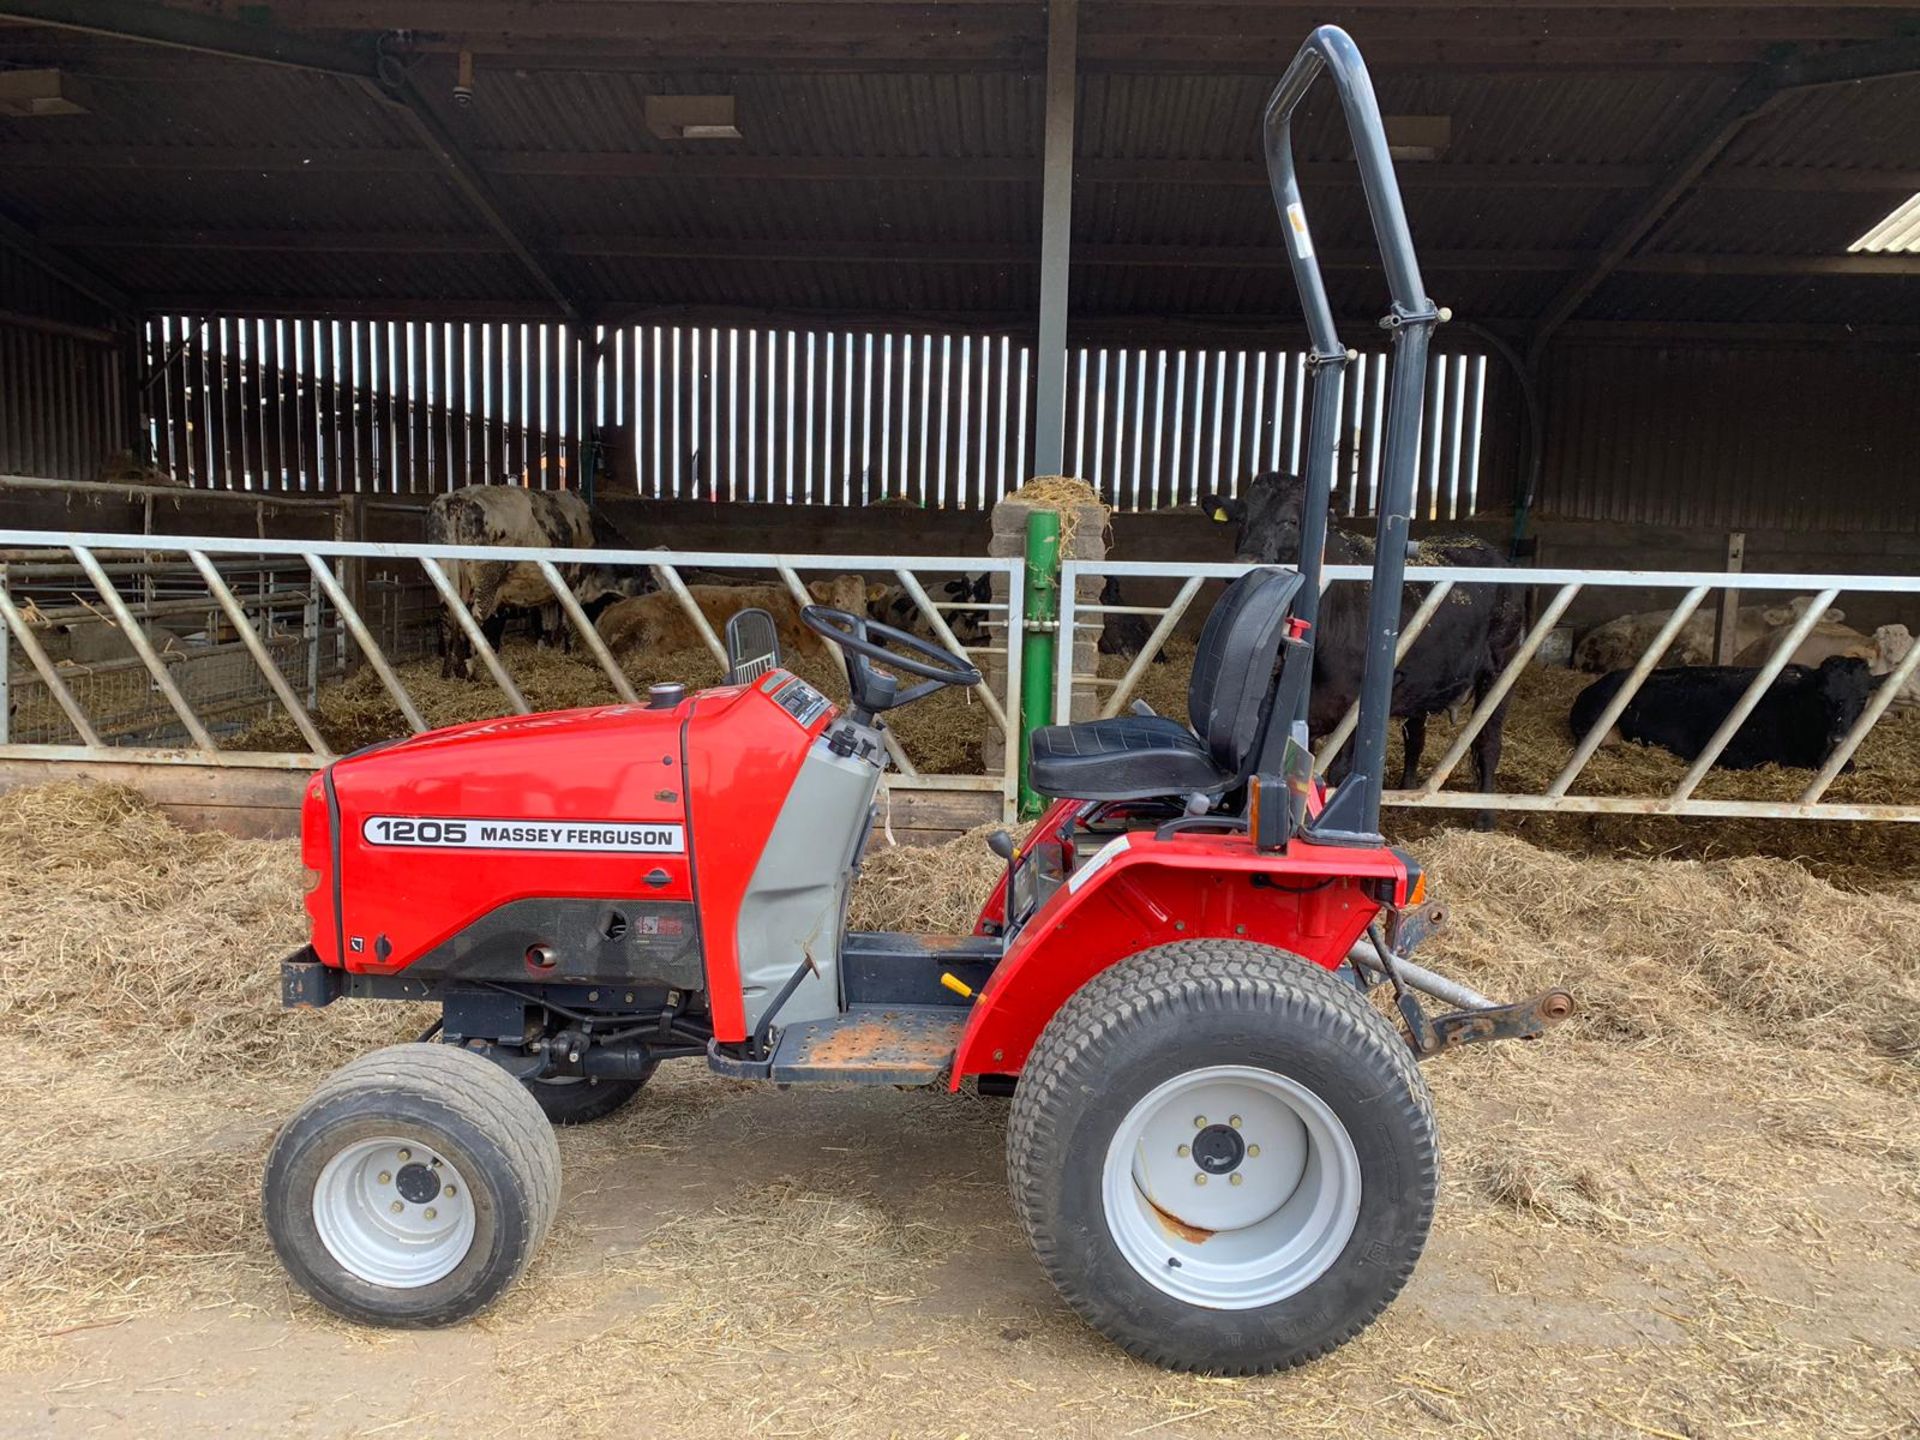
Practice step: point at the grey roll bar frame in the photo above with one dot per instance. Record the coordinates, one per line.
(1352, 815)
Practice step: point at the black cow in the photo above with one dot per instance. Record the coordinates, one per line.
(1463, 649)
(1804, 714)
(1124, 635)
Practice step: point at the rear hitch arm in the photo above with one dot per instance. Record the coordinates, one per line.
(1477, 1017)
(1521, 1020)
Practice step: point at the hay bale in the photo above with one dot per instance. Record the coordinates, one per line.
(1075, 500)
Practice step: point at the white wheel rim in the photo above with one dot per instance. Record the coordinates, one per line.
(393, 1212)
(1180, 1218)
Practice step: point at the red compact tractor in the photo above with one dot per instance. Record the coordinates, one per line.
(1221, 1148)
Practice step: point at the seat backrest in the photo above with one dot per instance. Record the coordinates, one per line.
(1233, 668)
(753, 646)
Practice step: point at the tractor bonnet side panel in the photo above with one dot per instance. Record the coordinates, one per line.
(462, 850)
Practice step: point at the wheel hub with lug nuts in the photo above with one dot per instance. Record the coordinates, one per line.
(1284, 1197)
(393, 1213)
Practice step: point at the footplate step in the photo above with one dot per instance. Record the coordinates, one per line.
(871, 1045)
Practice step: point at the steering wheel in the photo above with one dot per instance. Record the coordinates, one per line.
(866, 640)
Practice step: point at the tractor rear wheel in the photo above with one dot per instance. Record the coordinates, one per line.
(413, 1187)
(1223, 1156)
(582, 1101)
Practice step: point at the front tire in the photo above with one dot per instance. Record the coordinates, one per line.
(413, 1187)
(1123, 1166)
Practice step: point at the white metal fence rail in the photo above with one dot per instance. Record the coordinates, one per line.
(328, 616)
(286, 607)
(1557, 588)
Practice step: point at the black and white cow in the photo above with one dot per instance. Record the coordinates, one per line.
(891, 604)
(1804, 714)
(504, 515)
(1463, 649)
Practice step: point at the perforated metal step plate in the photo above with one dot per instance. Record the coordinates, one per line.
(871, 1045)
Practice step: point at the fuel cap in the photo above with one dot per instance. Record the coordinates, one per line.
(665, 696)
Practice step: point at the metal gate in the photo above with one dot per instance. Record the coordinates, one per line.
(287, 618)
(1555, 591)
(300, 614)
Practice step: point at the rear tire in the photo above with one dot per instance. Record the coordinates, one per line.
(413, 1187)
(1117, 1104)
(580, 1102)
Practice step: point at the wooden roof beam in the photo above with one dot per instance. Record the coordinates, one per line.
(919, 170)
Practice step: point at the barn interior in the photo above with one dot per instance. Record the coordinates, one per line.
(291, 269)
(1644, 216)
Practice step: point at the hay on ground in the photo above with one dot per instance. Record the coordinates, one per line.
(942, 734)
(926, 889)
(1732, 1083)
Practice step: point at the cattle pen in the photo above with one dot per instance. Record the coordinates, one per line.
(974, 317)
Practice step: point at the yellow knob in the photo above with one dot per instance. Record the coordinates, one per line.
(957, 985)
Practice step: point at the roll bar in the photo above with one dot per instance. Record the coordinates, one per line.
(1353, 813)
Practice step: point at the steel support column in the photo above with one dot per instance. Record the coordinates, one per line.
(1056, 222)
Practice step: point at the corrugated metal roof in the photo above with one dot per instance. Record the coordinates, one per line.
(992, 113)
(1868, 126)
(779, 113)
(150, 200)
(199, 101)
(1895, 233)
(1745, 299)
(727, 209)
(1734, 222)
(1497, 118)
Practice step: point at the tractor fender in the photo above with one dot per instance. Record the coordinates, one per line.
(1141, 891)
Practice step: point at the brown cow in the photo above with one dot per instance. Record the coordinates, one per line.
(1618, 644)
(657, 622)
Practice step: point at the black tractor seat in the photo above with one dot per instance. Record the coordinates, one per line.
(1138, 757)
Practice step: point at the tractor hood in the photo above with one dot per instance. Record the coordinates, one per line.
(412, 840)
(411, 843)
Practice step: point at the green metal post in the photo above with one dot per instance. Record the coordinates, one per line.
(1036, 656)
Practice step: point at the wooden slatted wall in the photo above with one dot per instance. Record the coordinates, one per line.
(63, 402)
(851, 417)
(386, 406)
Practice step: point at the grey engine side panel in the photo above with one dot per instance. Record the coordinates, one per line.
(794, 905)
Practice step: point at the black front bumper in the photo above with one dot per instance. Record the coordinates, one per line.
(306, 984)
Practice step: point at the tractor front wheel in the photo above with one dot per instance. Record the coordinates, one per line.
(413, 1187)
(1223, 1156)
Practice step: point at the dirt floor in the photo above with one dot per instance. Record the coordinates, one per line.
(1693, 1212)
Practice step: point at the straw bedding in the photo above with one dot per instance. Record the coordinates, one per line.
(945, 734)
(1742, 1076)
(941, 734)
